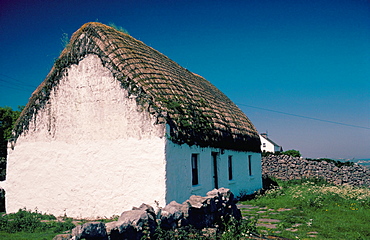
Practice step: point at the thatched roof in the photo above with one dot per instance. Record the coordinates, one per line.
(196, 111)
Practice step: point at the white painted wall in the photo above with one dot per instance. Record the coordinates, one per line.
(179, 173)
(89, 153)
(266, 145)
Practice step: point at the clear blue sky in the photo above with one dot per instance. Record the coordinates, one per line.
(308, 58)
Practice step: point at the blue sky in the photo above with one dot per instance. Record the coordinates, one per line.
(307, 58)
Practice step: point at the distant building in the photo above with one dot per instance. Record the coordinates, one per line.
(267, 145)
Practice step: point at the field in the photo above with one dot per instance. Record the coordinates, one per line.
(312, 209)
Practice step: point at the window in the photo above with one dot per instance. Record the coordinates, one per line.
(230, 167)
(263, 144)
(250, 164)
(215, 156)
(194, 169)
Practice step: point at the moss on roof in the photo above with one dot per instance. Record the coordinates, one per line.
(196, 111)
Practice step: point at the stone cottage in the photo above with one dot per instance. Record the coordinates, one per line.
(116, 124)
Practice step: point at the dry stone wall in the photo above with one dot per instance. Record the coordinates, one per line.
(287, 167)
(142, 222)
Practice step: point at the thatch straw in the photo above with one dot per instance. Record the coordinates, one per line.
(196, 111)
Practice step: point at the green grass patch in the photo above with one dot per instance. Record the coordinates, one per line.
(334, 212)
(48, 235)
(32, 225)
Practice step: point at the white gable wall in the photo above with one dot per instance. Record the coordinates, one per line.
(89, 152)
(267, 146)
(179, 171)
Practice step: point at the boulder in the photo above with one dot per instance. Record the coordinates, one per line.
(133, 224)
(224, 193)
(145, 207)
(90, 231)
(206, 212)
(172, 216)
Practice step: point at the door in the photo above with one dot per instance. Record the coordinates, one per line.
(215, 172)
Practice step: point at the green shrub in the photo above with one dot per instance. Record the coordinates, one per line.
(293, 153)
(228, 229)
(237, 229)
(61, 226)
(27, 221)
(179, 234)
(22, 221)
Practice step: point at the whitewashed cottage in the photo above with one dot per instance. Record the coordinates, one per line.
(116, 124)
(267, 145)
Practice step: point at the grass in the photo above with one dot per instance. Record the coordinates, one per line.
(32, 225)
(316, 208)
(48, 235)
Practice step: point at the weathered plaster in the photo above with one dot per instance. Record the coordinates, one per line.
(90, 152)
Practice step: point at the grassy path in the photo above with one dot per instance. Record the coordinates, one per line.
(271, 221)
(311, 209)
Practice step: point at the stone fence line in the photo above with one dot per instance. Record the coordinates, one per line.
(287, 168)
(142, 222)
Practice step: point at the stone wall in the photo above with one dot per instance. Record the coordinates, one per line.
(141, 223)
(286, 168)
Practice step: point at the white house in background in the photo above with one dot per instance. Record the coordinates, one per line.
(116, 124)
(267, 145)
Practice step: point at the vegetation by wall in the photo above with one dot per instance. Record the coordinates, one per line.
(287, 168)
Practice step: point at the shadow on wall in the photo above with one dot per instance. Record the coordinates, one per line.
(267, 184)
